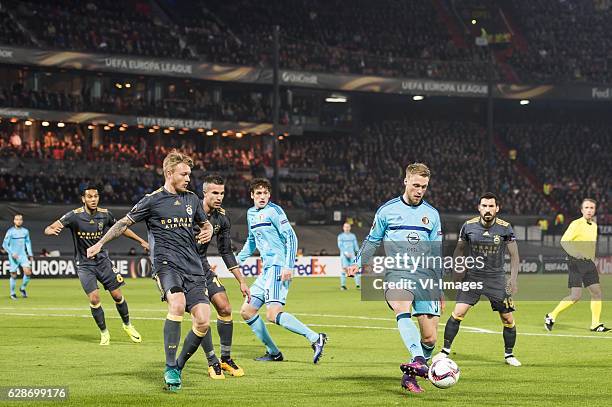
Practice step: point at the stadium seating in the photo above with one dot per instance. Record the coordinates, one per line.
(317, 173)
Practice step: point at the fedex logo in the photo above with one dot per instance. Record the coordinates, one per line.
(252, 269)
(312, 268)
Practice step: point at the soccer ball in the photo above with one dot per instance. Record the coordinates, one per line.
(443, 373)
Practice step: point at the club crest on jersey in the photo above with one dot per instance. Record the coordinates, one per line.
(425, 220)
(496, 239)
(216, 229)
(413, 238)
(188, 210)
(177, 202)
(100, 226)
(262, 216)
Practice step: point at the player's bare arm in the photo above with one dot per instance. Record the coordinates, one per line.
(54, 229)
(244, 287)
(130, 234)
(114, 232)
(514, 267)
(286, 275)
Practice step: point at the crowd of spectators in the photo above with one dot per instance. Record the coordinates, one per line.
(572, 161)
(315, 35)
(317, 172)
(243, 106)
(567, 41)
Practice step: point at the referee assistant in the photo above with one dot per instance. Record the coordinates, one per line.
(580, 241)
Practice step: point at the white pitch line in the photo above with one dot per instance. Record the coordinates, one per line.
(474, 330)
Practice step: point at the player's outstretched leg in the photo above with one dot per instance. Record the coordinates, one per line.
(172, 338)
(509, 341)
(343, 280)
(596, 325)
(450, 332)
(12, 285)
(24, 282)
(122, 309)
(225, 329)
(257, 325)
(412, 340)
(551, 317)
(98, 315)
(292, 324)
(214, 366)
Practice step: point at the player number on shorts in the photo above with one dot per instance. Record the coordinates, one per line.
(508, 302)
(117, 275)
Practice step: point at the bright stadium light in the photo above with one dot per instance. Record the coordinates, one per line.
(151, 130)
(118, 85)
(418, 97)
(474, 22)
(239, 135)
(107, 128)
(128, 85)
(90, 127)
(28, 123)
(14, 120)
(45, 124)
(524, 102)
(61, 124)
(336, 99)
(210, 133)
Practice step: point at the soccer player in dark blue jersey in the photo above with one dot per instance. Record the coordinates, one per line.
(87, 224)
(170, 213)
(487, 237)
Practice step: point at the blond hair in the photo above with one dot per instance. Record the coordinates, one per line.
(175, 158)
(418, 169)
(591, 200)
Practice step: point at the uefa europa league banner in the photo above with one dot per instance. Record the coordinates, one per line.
(307, 266)
(140, 266)
(233, 73)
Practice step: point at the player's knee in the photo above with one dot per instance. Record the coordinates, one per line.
(225, 310)
(271, 314)
(201, 324)
(94, 299)
(574, 298)
(247, 312)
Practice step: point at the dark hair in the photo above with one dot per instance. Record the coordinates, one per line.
(89, 187)
(212, 179)
(258, 183)
(489, 195)
(18, 214)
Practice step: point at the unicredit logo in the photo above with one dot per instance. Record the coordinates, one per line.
(296, 77)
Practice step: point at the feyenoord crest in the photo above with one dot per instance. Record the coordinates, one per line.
(100, 226)
(189, 210)
(425, 220)
(216, 229)
(496, 239)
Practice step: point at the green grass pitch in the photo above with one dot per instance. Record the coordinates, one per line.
(50, 339)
